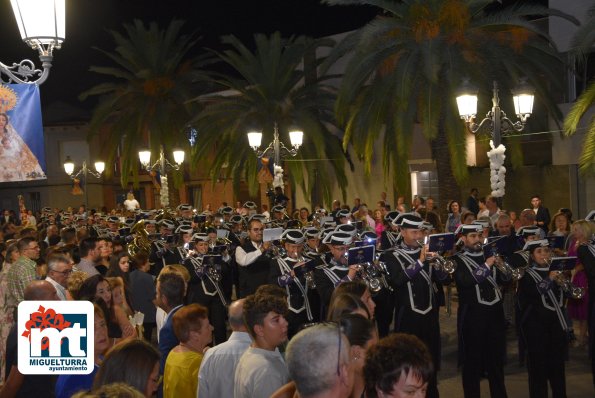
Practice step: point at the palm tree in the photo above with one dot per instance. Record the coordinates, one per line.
(582, 43)
(275, 83)
(146, 103)
(407, 65)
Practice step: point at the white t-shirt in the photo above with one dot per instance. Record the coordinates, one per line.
(259, 373)
(131, 205)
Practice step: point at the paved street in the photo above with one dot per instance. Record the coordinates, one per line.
(578, 375)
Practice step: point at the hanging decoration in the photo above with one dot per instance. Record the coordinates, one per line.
(164, 193)
(497, 169)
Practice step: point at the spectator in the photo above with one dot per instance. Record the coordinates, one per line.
(472, 201)
(493, 209)
(90, 254)
(6, 311)
(67, 384)
(59, 270)
(133, 362)
(346, 303)
(318, 359)
(221, 361)
(170, 298)
(399, 365)
(468, 217)
(22, 271)
(261, 369)
(106, 250)
(120, 295)
(356, 204)
(131, 204)
(193, 330)
(120, 390)
(454, 216)
(142, 292)
(358, 289)
(542, 214)
(483, 210)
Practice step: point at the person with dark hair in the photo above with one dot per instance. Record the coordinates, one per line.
(253, 263)
(360, 289)
(362, 334)
(68, 384)
(68, 236)
(97, 289)
(346, 303)
(89, 256)
(134, 362)
(318, 359)
(22, 272)
(482, 333)
(454, 216)
(417, 285)
(542, 214)
(193, 330)
(120, 267)
(543, 324)
(170, 298)
(142, 292)
(399, 366)
(261, 369)
(106, 250)
(472, 201)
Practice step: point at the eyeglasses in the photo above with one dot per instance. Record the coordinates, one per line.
(67, 272)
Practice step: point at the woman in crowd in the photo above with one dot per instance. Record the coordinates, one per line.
(543, 326)
(106, 250)
(362, 334)
(97, 289)
(134, 362)
(398, 366)
(346, 303)
(359, 289)
(67, 384)
(142, 292)
(578, 309)
(119, 265)
(560, 226)
(193, 330)
(454, 216)
(467, 217)
(119, 294)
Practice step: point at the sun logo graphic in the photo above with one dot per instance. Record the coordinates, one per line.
(55, 337)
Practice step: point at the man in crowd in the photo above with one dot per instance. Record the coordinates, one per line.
(472, 201)
(261, 369)
(170, 298)
(319, 362)
(22, 272)
(252, 261)
(90, 254)
(221, 361)
(59, 269)
(542, 214)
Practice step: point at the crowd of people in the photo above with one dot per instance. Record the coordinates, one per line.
(234, 302)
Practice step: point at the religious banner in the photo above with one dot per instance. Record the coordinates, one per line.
(22, 153)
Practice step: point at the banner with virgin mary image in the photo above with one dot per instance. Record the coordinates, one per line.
(22, 152)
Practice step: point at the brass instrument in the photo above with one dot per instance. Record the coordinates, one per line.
(565, 284)
(141, 241)
(504, 267)
(440, 263)
(308, 276)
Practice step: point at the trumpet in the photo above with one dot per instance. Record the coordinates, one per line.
(371, 276)
(566, 285)
(308, 276)
(440, 263)
(504, 267)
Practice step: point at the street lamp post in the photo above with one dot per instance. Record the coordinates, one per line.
(85, 171)
(162, 165)
(496, 124)
(277, 147)
(42, 27)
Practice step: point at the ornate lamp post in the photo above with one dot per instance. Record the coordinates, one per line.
(496, 124)
(42, 26)
(161, 165)
(277, 148)
(85, 171)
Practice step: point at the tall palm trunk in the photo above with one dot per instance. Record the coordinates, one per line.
(447, 184)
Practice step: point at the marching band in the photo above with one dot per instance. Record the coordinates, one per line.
(407, 270)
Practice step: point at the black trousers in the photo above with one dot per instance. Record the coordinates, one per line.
(427, 329)
(546, 349)
(385, 307)
(483, 337)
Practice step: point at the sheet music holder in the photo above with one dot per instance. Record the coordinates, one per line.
(360, 255)
(440, 243)
(562, 263)
(270, 234)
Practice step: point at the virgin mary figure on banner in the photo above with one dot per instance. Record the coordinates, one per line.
(17, 161)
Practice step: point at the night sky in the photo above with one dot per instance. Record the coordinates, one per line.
(88, 22)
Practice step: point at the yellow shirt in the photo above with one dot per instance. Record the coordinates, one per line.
(180, 378)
